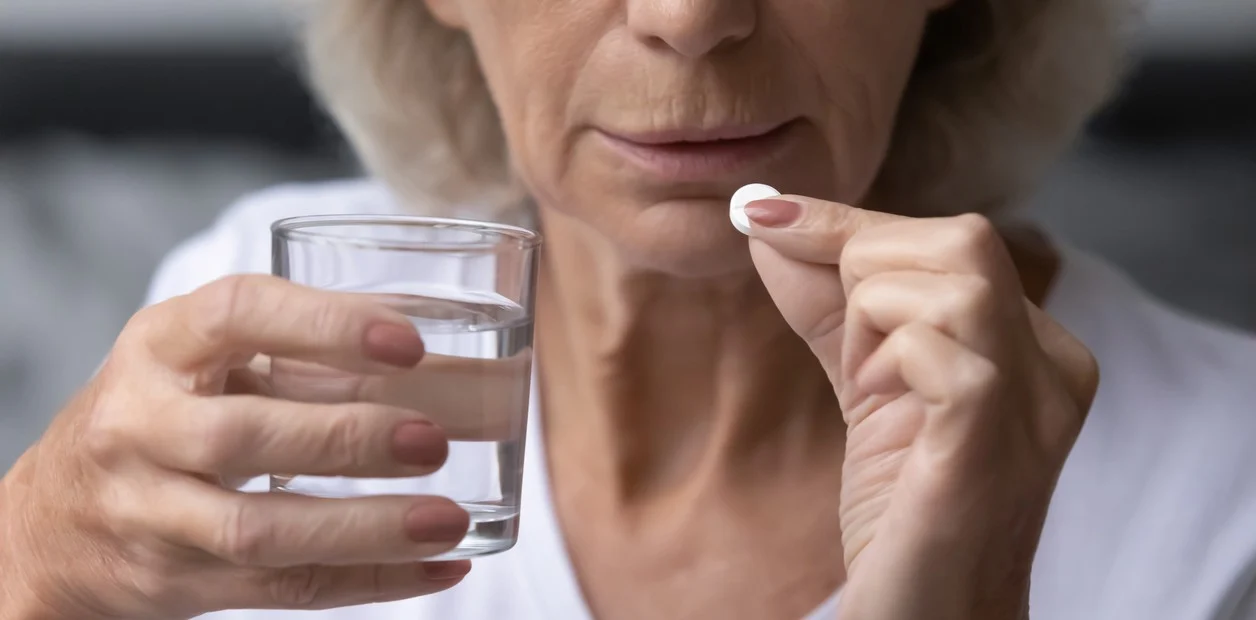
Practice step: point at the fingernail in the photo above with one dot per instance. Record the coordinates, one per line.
(437, 522)
(773, 213)
(393, 344)
(420, 443)
(443, 571)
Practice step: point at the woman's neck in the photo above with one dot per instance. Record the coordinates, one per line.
(661, 384)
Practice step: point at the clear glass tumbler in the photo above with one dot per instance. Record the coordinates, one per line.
(468, 287)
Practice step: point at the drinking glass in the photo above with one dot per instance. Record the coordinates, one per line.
(468, 287)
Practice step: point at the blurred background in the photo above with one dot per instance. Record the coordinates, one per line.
(126, 125)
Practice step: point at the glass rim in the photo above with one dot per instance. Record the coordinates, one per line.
(304, 228)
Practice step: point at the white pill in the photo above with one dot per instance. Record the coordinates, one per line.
(743, 197)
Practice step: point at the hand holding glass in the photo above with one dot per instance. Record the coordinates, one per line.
(468, 289)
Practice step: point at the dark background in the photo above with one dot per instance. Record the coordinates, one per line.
(126, 125)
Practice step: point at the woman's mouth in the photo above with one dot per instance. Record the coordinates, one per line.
(698, 155)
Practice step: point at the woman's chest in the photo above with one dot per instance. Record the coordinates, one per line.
(765, 555)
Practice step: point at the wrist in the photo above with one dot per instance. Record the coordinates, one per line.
(19, 598)
(24, 597)
(17, 606)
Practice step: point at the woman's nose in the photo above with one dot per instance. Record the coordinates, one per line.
(692, 28)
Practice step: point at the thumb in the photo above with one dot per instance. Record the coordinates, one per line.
(809, 297)
(796, 243)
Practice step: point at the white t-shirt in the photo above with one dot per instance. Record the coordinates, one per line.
(1154, 517)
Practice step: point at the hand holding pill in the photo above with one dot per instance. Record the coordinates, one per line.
(962, 398)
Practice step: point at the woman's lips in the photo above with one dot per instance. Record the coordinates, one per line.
(689, 155)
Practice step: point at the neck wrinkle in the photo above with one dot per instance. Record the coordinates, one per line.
(666, 385)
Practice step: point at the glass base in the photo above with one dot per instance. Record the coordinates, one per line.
(494, 528)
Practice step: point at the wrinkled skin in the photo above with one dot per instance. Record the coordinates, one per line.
(122, 510)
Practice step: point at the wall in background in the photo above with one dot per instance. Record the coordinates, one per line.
(1211, 27)
(1173, 26)
(76, 24)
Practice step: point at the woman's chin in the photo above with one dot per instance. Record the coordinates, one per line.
(686, 238)
(689, 241)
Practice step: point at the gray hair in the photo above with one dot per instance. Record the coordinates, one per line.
(1000, 88)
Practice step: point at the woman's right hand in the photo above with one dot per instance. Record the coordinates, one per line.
(122, 510)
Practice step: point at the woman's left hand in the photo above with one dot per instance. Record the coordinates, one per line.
(962, 400)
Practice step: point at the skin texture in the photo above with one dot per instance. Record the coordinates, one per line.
(734, 428)
(627, 66)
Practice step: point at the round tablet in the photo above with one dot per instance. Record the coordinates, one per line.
(743, 197)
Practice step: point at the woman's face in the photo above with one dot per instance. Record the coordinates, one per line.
(639, 118)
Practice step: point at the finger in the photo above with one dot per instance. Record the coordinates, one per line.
(243, 435)
(962, 307)
(808, 229)
(1076, 373)
(810, 298)
(326, 587)
(956, 384)
(818, 231)
(921, 358)
(249, 380)
(1077, 366)
(225, 324)
(281, 529)
(967, 244)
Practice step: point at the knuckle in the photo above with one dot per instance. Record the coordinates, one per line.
(139, 322)
(151, 572)
(105, 440)
(220, 438)
(347, 441)
(974, 233)
(851, 256)
(299, 587)
(971, 297)
(1086, 372)
(1090, 372)
(138, 330)
(110, 430)
(330, 318)
(859, 298)
(121, 507)
(905, 340)
(243, 534)
(834, 224)
(824, 325)
(861, 303)
(152, 580)
(976, 379)
(218, 305)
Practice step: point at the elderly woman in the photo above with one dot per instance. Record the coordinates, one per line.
(862, 411)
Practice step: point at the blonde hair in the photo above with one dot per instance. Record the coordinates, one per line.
(1001, 87)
